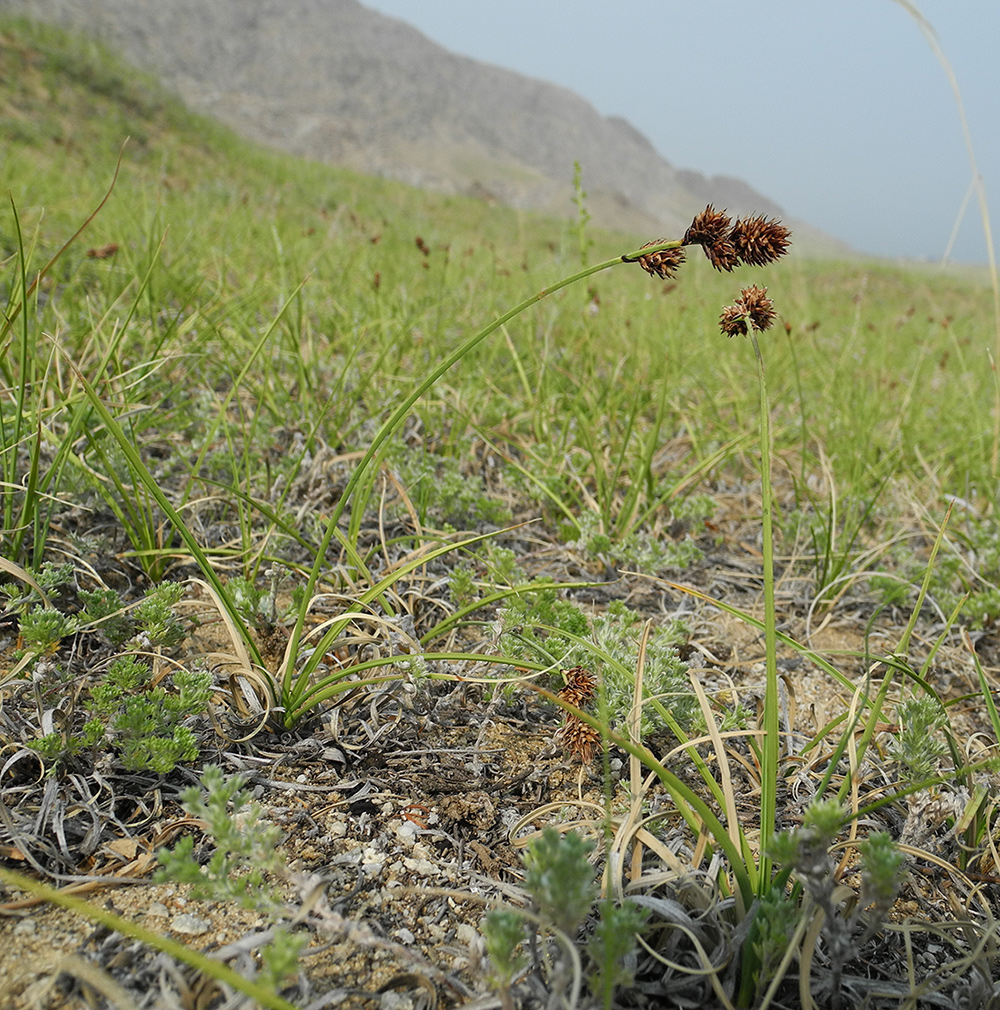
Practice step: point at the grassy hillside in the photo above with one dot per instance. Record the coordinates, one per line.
(229, 230)
(203, 386)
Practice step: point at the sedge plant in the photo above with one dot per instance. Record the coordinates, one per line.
(754, 241)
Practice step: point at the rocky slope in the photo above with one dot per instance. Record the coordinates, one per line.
(335, 81)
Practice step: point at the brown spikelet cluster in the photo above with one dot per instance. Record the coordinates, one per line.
(759, 240)
(713, 230)
(754, 241)
(733, 321)
(574, 736)
(661, 264)
(753, 307)
(750, 241)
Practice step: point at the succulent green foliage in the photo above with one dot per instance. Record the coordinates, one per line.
(43, 628)
(882, 868)
(562, 883)
(104, 608)
(774, 919)
(245, 845)
(617, 633)
(503, 934)
(532, 624)
(147, 724)
(805, 851)
(158, 623)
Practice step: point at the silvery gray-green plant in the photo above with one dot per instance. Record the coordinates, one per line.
(244, 866)
(806, 852)
(561, 882)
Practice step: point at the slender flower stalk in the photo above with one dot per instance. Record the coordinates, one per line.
(292, 682)
(771, 744)
(753, 313)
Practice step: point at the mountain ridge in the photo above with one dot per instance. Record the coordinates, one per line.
(334, 81)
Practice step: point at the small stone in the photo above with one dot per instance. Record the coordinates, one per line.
(25, 927)
(189, 925)
(404, 936)
(424, 867)
(158, 910)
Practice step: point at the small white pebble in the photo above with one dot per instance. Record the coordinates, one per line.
(422, 866)
(189, 925)
(158, 910)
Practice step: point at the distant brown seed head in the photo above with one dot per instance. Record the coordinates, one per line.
(662, 264)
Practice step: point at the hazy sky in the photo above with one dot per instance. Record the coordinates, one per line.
(837, 110)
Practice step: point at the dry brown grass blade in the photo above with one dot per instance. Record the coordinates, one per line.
(808, 952)
(240, 653)
(25, 576)
(94, 981)
(708, 969)
(722, 760)
(595, 826)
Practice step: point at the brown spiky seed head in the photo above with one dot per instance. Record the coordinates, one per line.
(733, 322)
(581, 686)
(712, 230)
(758, 308)
(578, 739)
(752, 306)
(722, 255)
(575, 736)
(661, 264)
(759, 240)
(708, 227)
